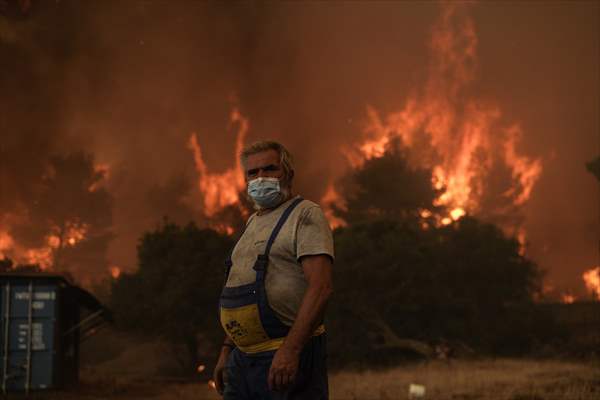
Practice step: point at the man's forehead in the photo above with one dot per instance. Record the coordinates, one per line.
(262, 158)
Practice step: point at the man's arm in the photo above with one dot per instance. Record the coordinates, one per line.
(218, 373)
(318, 273)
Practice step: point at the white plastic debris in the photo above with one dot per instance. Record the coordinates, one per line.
(416, 391)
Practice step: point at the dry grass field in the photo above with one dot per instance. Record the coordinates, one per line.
(503, 379)
(470, 380)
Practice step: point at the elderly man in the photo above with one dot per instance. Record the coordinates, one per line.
(279, 278)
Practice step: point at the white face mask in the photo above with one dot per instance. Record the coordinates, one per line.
(266, 192)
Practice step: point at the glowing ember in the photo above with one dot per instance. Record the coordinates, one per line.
(568, 298)
(464, 133)
(115, 272)
(220, 190)
(75, 233)
(425, 213)
(223, 228)
(592, 281)
(201, 368)
(53, 241)
(457, 213)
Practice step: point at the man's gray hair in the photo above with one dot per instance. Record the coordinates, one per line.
(285, 157)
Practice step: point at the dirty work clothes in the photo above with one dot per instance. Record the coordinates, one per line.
(305, 233)
(245, 313)
(247, 375)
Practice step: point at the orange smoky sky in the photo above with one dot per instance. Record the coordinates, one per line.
(131, 82)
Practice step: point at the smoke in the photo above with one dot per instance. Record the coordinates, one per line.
(130, 82)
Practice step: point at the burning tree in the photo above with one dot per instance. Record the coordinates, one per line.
(386, 187)
(433, 280)
(7, 266)
(69, 217)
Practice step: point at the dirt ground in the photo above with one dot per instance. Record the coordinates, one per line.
(503, 379)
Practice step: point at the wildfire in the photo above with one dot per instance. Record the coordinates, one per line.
(463, 132)
(44, 256)
(220, 190)
(115, 272)
(75, 233)
(6, 243)
(330, 198)
(592, 281)
(568, 298)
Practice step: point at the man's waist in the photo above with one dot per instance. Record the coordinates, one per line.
(272, 344)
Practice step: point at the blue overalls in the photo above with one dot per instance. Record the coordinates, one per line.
(257, 332)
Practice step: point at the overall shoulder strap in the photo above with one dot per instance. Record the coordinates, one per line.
(280, 224)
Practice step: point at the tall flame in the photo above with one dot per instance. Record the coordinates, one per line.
(330, 198)
(463, 132)
(220, 190)
(591, 278)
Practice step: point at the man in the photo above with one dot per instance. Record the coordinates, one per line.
(279, 280)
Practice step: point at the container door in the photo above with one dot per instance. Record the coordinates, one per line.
(28, 337)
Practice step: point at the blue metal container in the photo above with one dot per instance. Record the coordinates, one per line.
(41, 330)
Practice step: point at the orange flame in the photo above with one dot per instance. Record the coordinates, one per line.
(6, 243)
(211, 384)
(591, 279)
(75, 234)
(220, 189)
(330, 198)
(43, 256)
(462, 130)
(568, 298)
(115, 272)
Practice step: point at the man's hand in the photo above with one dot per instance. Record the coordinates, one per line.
(317, 270)
(218, 373)
(283, 369)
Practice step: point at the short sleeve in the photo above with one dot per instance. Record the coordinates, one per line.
(313, 235)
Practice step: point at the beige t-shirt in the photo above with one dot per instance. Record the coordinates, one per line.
(306, 232)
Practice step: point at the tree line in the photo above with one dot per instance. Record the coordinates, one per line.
(400, 285)
(404, 284)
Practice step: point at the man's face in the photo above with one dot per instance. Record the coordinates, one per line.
(265, 164)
